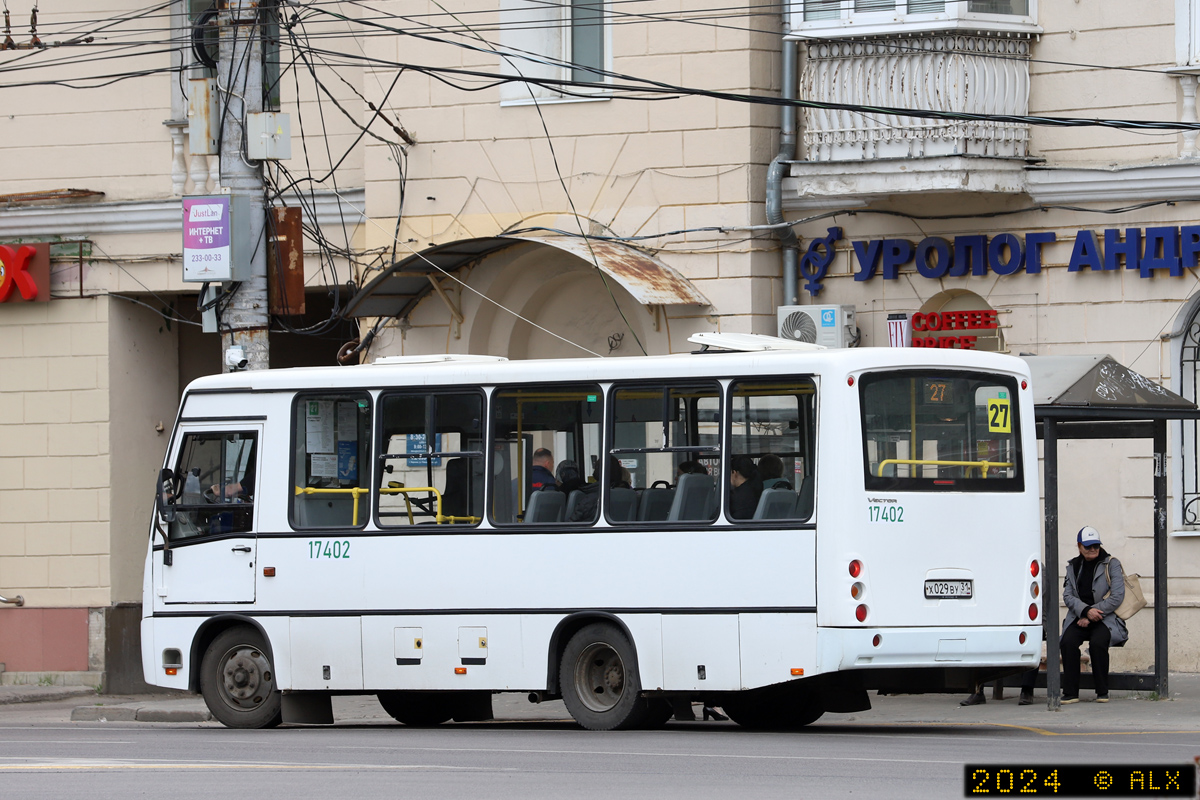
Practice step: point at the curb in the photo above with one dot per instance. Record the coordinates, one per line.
(138, 714)
(11, 694)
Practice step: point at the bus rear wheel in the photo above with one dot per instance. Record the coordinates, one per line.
(237, 680)
(418, 709)
(779, 708)
(599, 680)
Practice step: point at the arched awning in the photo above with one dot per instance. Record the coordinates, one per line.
(399, 288)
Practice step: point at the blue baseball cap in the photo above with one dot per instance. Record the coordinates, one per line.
(1088, 536)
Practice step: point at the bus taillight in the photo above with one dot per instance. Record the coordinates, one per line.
(1034, 589)
(1022, 637)
(860, 613)
(1033, 610)
(857, 590)
(855, 568)
(1034, 568)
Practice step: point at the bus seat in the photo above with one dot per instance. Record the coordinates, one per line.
(573, 500)
(328, 511)
(694, 498)
(622, 504)
(805, 498)
(776, 504)
(655, 504)
(456, 496)
(546, 506)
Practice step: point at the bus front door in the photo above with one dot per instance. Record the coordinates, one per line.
(212, 538)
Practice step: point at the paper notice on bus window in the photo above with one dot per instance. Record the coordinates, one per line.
(323, 466)
(318, 427)
(347, 422)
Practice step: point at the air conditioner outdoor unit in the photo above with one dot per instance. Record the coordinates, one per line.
(830, 326)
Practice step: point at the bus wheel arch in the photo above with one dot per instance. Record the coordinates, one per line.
(567, 627)
(600, 681)
(237, 678)
(210, 629)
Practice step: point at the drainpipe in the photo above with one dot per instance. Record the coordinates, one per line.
(775, 173)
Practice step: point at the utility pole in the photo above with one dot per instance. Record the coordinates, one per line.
(239, 80)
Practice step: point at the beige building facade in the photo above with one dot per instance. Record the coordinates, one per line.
(539, 182)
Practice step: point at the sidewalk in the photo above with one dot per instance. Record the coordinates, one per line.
(1127, 711)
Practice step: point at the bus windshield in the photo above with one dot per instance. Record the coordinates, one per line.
(941, 431)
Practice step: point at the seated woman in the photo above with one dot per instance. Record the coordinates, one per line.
(747, 487)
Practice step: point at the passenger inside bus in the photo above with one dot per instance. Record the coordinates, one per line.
(770, 470)
(747, 487)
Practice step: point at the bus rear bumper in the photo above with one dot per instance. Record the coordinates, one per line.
(873, 648)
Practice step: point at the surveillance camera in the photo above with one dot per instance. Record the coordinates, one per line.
(235, 358)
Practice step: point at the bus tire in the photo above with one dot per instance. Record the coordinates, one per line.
(658, 714)
(418, 709)
(599, 680)
(774, 709)
(237, 680)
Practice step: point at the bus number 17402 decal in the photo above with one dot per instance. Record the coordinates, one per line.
(318, 548)
(885, 513)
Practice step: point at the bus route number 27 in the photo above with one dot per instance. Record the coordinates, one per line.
(325, 548)
(885, 513)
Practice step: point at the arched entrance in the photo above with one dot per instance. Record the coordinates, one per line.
(528, 297)
(957, 318)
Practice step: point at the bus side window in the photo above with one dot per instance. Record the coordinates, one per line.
(545, 445)
(661, 435)
(331, 460)
(214, 484)
(772, 427)
(432, 462)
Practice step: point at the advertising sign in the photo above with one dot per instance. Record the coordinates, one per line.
(899, 334)
(25, 273)
(207, 234)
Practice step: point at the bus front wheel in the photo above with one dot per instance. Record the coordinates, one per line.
(237, 680)
(599, 680)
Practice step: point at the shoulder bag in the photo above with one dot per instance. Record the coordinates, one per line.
(1134, 600)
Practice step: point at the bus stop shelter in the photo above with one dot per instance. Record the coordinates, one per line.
(1094, 397)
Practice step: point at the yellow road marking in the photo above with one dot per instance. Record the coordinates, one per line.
(1031, 728)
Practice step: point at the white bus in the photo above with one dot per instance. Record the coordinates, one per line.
(373, 530)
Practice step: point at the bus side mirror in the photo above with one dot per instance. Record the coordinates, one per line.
(166, 485)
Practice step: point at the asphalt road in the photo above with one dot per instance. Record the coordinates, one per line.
(891, 753)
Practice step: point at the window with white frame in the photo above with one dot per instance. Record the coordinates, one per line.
(558, 41)
(1187, 33)
(874, 17)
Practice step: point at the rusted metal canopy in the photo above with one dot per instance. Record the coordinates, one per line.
(398, 289)
(1099, 387)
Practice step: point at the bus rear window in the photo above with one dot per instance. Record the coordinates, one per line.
(941, 431)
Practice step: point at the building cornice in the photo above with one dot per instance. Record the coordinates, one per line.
(1168, 180)
(85, 220)
(814, 184)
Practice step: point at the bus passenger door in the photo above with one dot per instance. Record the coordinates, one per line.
(212, 539)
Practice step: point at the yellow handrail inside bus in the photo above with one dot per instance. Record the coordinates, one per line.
(357, 491)
(982, 466)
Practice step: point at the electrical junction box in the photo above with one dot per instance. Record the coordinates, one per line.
(268, 136)
(204, 120)
(829, 326)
